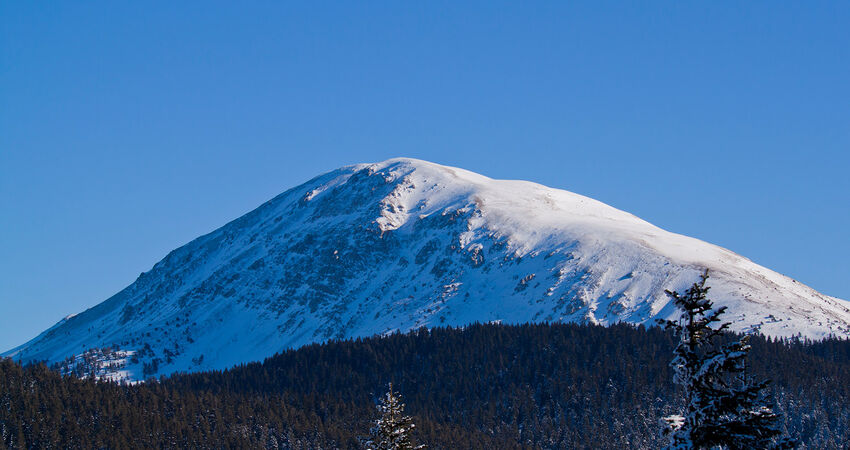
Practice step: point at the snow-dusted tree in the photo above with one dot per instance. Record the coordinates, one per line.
(724, 408)
(392, 429)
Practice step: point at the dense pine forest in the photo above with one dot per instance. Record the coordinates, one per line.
(483, 386)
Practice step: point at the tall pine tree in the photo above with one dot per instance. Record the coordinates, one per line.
(724, 407)
(392, 429)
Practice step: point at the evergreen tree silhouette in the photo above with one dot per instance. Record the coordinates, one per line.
(724, 407)
(392, 429)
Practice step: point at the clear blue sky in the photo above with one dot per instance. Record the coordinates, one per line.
(129, 128)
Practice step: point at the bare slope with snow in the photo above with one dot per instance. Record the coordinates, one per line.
(401, 244)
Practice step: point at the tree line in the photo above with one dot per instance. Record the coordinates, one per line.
(483, 386)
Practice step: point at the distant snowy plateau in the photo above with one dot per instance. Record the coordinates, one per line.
(394, 246)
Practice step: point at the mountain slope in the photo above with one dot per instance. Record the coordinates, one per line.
(401, 244)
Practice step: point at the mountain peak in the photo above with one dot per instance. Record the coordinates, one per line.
(392, 246)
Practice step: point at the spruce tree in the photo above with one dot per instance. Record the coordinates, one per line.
(392, 429)
(724, 407)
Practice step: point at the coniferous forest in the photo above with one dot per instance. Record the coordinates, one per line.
(483, 386)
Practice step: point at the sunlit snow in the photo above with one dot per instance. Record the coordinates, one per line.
(397, 245)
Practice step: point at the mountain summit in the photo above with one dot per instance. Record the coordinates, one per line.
(394, 246)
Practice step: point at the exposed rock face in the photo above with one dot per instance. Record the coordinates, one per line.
(402, 244)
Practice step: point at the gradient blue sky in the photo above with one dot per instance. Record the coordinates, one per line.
(129, 128)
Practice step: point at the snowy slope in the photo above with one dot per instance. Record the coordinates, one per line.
(401, 244)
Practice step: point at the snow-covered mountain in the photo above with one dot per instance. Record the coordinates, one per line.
(397, 245)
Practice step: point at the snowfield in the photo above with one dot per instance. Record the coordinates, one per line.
(393, 246)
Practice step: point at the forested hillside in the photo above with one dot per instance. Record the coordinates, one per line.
(483, 386)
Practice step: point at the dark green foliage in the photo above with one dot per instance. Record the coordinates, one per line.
(483, 387)
(724, 408)
(393, 428)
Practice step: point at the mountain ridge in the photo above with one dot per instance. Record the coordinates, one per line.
(375, 248)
